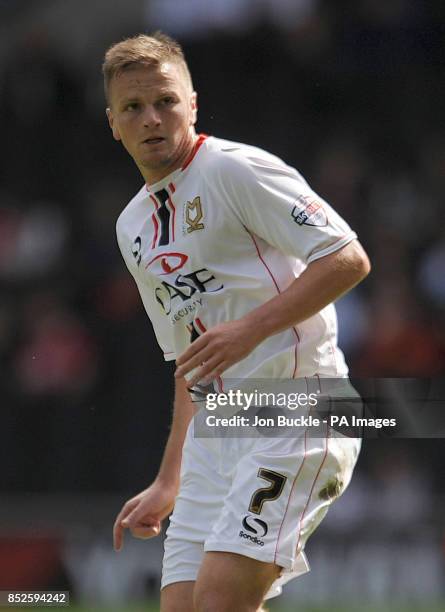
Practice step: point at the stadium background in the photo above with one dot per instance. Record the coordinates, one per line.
(352, 94)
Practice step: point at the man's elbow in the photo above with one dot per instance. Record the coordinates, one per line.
(359, 263)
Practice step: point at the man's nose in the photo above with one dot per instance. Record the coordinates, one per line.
(151, 117)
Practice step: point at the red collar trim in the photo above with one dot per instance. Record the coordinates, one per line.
(188, 161)
(198, 143)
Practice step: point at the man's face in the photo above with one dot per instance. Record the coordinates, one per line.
(153, 111)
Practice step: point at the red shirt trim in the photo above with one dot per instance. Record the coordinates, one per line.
(198, 143)
(155, 221)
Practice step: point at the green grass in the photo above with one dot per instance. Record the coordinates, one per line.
(363, 608)
(273, 607)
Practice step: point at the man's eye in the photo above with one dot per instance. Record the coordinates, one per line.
(167, 101)
(132, 106)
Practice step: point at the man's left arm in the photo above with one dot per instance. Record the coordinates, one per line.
(322, 282)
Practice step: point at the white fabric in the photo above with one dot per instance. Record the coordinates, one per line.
(261, 225)
(219, 476)
(208, 244)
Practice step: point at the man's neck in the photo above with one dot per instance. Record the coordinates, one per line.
(154, 176)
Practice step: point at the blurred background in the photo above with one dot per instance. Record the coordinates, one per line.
(350, 93)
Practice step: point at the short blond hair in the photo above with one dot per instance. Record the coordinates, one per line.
(142, 50)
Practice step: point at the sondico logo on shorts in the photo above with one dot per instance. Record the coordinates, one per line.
(256, 526)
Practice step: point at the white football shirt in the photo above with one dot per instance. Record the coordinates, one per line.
(222, 235)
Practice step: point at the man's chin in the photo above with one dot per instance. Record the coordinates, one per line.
(155, 164)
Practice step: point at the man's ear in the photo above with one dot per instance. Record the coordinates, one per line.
(114, 129)
(194, 108)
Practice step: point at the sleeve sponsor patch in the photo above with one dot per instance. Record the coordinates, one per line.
(308, 211)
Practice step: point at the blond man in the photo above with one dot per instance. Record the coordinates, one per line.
(237, 262)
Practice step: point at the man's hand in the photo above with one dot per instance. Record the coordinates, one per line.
(143, 514)
(322, 282)
(217, 349)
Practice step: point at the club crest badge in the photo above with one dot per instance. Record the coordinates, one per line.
(193, 215)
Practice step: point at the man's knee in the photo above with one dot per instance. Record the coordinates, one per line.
(210, 599)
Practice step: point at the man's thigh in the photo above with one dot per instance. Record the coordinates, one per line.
(178, 597)
(228, 581)
(221, 586)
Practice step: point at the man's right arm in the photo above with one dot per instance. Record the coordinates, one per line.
(183, 412)
(144, 513)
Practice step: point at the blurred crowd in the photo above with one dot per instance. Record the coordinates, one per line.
(350, 93)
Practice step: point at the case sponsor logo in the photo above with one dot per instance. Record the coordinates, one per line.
(183, 287)
(166, 263)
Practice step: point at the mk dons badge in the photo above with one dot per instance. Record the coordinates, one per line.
(193, 216)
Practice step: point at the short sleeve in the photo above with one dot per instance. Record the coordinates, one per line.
(157, 317)
(275, 202)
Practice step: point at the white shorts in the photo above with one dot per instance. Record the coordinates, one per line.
(258, 497)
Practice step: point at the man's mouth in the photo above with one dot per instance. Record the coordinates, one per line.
(153, 141)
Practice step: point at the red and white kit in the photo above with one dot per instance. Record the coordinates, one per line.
(208, 243)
